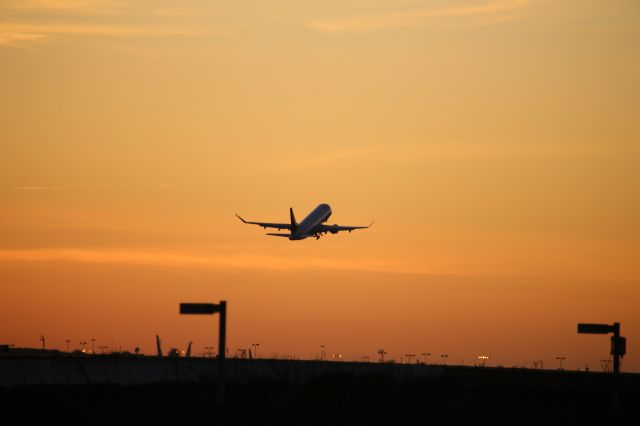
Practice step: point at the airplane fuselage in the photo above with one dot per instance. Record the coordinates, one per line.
(306, 228)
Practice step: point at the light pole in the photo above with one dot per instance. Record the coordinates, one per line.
(560, 358)
(382, 353)
(255, 349)
(426, 356)
(444, 358)
(322, 353)
(68, 341)
(409, 356)
(93, 346)
(43, 340)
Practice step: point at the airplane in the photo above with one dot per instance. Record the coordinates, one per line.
(311, 226)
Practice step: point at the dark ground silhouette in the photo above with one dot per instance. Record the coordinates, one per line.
(462, 396)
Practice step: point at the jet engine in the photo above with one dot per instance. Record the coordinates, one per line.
(335, 230)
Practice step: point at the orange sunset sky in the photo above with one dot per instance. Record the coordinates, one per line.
(496, 143)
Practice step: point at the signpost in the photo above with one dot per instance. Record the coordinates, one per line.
(618, 344)
(210, 309)
(594, 328)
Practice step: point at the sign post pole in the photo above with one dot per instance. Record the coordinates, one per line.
(222, 373)
(210, 309)
(615, 347)
(618, 344)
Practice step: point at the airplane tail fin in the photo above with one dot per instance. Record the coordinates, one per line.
(294, 224)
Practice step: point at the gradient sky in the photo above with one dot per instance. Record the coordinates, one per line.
(495, 142)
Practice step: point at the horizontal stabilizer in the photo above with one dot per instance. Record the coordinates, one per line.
(278, 235)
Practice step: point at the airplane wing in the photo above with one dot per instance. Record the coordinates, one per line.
(334, 229)
(266, 225)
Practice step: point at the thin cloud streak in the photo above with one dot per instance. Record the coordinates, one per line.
(93, 7)
(47, 188)
(437, 151)
(72, 187)
(10, 33)
(96, 8)
(38, 20)
(212, 262)
(412, 18)
(468, 265)
(12, 38)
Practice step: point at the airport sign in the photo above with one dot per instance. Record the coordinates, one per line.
(199, 308)
(594, 328)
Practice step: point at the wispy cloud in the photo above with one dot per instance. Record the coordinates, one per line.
(46, 188)
(437, 151)
(67, 6)
(12, 33)
(608, 259)
(413, 18)
(96, 7)
(204, 261)
(38, 20)
(8, 38)
(73, 187)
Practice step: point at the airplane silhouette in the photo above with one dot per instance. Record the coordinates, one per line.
(311, 226)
